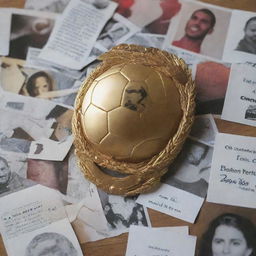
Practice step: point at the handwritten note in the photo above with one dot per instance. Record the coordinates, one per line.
(233, 172)
(173, 201)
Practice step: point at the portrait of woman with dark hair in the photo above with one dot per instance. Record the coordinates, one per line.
(39, 83)
(229, 234)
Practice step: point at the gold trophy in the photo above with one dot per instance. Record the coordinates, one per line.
(132, 116)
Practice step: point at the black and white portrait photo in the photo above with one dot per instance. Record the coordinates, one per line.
(35, 82)
(250, 112)
(229, 234)
(240, 45)
(116, 31)
(191, 169)
(121, 212)
(248, 42)
(50, 244)
(10, 181)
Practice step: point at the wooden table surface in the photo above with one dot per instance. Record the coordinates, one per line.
(117, 246)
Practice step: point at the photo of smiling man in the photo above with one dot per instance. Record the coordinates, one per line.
(200, 24)
(200, 28)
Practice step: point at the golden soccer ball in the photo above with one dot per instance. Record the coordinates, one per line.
(132, 116)
(130, 112)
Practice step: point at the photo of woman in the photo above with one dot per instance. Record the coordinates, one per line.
(39, 83)
(229, 234)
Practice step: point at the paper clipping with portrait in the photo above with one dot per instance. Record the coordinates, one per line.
(172, 241)
(37, 82)
(198, 28)
(13, 173)
(33, 221)
(241, 39)
(240, 100)
(225, 230)
(185, 185)
(122, 212)
(116, 31)
(233, 176)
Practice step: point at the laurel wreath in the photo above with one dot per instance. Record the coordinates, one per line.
(145, 175)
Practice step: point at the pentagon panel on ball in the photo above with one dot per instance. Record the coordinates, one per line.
(132, 116)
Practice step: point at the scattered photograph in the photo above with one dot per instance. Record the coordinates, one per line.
(200, 27)
(226, 223)
(39, 83)
(29, 29)
(52, 243)
(241, 40)
(121, 212)
(250, 113)
(12, 167)
(116, 31)
(191, 169)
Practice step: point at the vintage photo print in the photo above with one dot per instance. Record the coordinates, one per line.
(40, 83)
(211, 79)
(121, 212)
(241, 40)
(200, 27)
(116, 31)
(13, 173)
(29, 29)
(226, 230)
(191, 169)
(51, 242)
